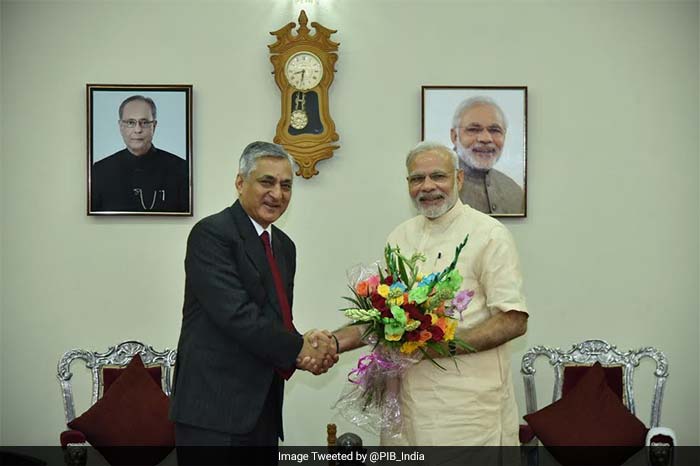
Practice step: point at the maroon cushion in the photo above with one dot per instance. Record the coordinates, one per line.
(572, 375)
(589, 415)
(525, 433)
(110, 374)
(134, 412)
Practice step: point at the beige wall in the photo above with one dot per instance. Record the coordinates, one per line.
(609, 248)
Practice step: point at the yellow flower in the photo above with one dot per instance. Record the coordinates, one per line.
(393, 337)
(410, 346)
(412, 325)
(433, 317)
(398, 301)
(383, 290)
(450, 330)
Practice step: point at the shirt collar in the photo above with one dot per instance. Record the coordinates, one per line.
(445, 220)
(259, 229)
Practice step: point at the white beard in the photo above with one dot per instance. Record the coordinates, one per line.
(440, 209)
(474, 161)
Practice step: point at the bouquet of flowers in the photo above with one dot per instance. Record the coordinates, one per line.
(406, 317)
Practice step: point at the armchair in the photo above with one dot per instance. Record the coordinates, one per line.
(616, 375)
(145, 388)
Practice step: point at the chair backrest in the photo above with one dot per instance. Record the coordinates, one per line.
(117, 356)
(588, 353)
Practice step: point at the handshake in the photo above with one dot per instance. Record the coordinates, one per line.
(319, 352)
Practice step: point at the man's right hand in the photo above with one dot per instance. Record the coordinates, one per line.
(318, 353)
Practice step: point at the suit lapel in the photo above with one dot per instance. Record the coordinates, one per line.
(253, 245)
(255, 251)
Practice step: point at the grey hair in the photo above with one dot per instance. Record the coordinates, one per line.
(425, 146)
(476, 101)
(142, 98)
(257, 149)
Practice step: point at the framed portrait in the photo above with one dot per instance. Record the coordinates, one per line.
(139, 149)
(487, 128)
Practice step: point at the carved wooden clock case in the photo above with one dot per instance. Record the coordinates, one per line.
(304, 67)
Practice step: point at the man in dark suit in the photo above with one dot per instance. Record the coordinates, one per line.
(238, 343)
(140, 177)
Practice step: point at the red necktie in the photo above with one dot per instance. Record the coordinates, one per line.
(281, 296)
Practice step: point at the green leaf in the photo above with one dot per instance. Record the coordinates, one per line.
(464, 345)
(368, 331)
(438, 348)
(402, 270)
(453, 264)
(354, 302)
(425, 353)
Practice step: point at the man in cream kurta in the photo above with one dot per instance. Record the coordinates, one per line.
(472, 402)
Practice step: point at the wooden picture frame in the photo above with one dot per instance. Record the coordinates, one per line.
(490, 138)
(139, 149)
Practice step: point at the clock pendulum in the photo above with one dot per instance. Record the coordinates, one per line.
(299, 118)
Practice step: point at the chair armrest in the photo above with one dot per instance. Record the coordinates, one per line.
(661, 436)
(74, 446)
(72, 436)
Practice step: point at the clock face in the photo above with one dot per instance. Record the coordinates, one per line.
(303, 70)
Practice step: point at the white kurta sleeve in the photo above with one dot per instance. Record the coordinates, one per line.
(500, 273)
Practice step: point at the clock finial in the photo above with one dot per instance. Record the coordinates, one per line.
(303, 19)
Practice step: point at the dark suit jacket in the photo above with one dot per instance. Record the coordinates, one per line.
(232, 334)
(162, 179)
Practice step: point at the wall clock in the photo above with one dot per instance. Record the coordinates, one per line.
(304, 67)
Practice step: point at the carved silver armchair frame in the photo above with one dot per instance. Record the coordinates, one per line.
(119, 355)
(588, 353)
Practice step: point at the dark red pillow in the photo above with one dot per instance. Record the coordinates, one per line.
(590, 415)
(110, 374)
(613, 377)
(134, 412)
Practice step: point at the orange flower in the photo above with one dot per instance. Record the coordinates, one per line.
(425, 335)
(442, 323)
(362, 288)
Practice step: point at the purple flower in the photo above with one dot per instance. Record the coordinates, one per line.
(461, 301)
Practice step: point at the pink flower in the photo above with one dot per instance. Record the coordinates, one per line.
(373, 283)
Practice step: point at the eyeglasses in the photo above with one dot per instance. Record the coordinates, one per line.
(474, 130)
(436, 177)
(146, 124)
